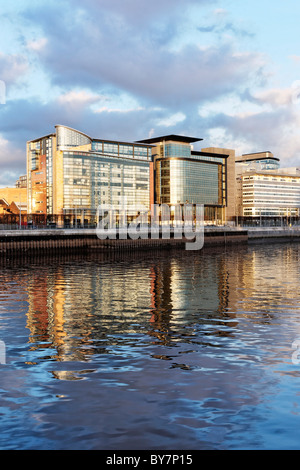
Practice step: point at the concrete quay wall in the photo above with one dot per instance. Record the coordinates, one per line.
(55, 241)
(34, 242)
(273, 234)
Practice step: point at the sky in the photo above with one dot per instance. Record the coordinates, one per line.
(227, 72)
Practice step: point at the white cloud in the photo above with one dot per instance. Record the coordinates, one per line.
(220, 12)
(105, 109)
(12, 162)
(276, 130)
(79, 97)
(12, 67)
(37, 44)
(172, 120)
(117, 52)
(295, 58)
(276, 96)
(124, 70)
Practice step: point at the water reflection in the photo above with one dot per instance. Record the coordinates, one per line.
(191, 348)
(80, 307)
(83, 310)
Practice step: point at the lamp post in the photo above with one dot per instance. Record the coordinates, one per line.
(20, 215)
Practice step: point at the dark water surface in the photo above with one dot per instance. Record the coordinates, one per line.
(174, 350)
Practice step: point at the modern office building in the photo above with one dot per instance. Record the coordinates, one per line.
(183, 175)
(264, 190)
(69, 174)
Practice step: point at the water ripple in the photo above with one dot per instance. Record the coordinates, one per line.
(173, 350)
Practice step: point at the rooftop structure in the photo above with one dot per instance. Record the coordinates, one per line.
(169, 138)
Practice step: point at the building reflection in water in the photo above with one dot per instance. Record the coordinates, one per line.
(78, 308)
(81, 308)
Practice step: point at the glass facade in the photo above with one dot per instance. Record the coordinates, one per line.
(183, 176)
(270, 195)
(67, 137)
(176, 150)
(121, 149)
(70, 175)
(257, 162)
(268, 164)
(181, 181)
(92, 179)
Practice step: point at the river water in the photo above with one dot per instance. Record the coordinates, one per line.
(169, 350)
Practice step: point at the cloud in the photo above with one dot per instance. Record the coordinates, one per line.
(222, 25)
(167, 78)
(77, 100)
(23, 120)
(37, 44)
(106, 109)
(220, 12)
(113, 53)
(139, 13)
(12, 67)
(275, 97)
(226, 28)
(119, 70)
(273, 130)
(12, 163)
(172, 120)
(264, 129)
(295, 58)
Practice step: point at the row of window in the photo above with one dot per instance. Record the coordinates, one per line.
(266, 178)
(274, 203)
(126, 150)
(270, 212)
(183, 180)
(273, 195)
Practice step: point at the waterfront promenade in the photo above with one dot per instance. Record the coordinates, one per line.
(43, 241)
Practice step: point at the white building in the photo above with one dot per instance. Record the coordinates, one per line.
(266, 190)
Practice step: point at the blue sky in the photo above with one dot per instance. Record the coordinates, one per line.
(225, 71)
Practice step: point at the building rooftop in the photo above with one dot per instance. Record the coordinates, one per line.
(280, 173)
(173, 137)
(122, 142)
(209, 154)
(41, 138)
(247, 157)
(257, 153)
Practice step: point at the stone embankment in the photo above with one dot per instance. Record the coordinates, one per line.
(35, 242)
(52, 241)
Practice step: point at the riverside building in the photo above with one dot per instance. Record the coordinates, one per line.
(183, 175)
(266, 192)
(69, 174)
